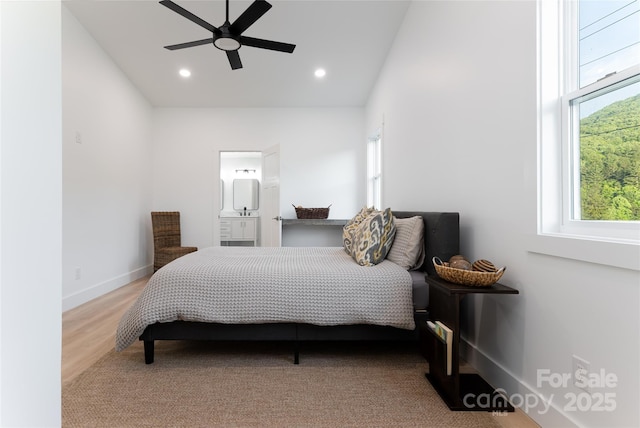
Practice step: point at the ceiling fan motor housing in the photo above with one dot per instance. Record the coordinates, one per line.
(225, 41)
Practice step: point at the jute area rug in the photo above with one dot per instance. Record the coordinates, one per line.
(195, 384)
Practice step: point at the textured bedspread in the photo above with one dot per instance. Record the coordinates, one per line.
(240, 285)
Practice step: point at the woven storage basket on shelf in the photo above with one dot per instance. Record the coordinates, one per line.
(315, 213)
(466, 277)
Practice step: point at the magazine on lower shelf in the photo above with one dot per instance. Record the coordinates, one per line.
(445, 334)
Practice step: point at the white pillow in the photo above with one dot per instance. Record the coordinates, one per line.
(408, 245)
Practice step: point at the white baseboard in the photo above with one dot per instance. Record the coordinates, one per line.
(97, 290)
(521, 394)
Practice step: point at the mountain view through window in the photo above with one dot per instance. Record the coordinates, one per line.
(609, 125)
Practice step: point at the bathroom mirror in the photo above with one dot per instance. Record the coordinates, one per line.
(221, 194)
(245, 194)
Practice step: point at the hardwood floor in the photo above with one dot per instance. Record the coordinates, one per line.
(88, 333)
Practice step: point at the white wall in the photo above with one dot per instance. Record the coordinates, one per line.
(107, 176)
(30, 213)
(322, 152)
(458, 97)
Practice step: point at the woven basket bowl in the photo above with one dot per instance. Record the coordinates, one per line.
(309, 213)
(466, 277)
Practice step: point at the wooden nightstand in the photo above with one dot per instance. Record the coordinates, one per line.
(467, 391)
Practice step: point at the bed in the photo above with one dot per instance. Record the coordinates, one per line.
(287, 294)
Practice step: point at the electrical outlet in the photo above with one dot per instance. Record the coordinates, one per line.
(78, 273)
(78, 137)
(581, 370)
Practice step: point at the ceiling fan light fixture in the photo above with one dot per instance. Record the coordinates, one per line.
(226, 44)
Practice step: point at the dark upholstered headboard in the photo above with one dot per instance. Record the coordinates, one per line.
(441, 235)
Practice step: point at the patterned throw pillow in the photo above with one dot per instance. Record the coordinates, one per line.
(373, 238)
(347, 230)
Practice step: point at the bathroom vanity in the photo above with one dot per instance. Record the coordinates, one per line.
(240, 227)
(239, 231)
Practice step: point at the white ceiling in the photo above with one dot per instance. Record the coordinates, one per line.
(349, 38)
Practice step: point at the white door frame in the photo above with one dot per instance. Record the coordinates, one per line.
(271, 230)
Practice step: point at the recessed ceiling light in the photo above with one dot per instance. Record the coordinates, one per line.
(320, 73)
(184, 72)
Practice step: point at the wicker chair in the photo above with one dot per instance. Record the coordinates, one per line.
(166, 238)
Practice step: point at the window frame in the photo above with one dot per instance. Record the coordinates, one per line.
(604, 242)
(605, 229)
(374, 170)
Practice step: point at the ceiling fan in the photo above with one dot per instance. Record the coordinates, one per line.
(228, 37)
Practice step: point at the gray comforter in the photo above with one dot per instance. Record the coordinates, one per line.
(240, 285)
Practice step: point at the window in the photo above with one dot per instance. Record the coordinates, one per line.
(374, 171)
(589, 115)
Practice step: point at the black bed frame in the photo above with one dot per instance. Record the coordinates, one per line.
(442, 237)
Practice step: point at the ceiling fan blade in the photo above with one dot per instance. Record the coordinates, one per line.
(189, 44)
(190, 16)
(267, 44)
(249, 16)
(234, 59)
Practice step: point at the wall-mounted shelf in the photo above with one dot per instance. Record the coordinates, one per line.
(313, 222)
(312, 232)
